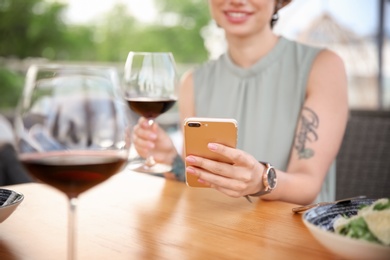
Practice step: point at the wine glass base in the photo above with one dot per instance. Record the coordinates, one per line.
(156, 169)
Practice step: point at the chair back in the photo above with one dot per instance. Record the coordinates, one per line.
(363, 162)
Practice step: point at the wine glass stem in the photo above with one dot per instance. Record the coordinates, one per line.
(149, 162)
(72, 228)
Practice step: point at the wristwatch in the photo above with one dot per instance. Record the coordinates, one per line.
(269, 180)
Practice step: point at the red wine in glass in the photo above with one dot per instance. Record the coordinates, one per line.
(150, 107)
(73, 172)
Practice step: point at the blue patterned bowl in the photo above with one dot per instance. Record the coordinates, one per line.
(9, 201)
(319, 221)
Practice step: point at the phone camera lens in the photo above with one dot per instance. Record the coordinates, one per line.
(194, 124)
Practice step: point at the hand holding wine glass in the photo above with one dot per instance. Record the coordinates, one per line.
(70, 129)
(150, 88)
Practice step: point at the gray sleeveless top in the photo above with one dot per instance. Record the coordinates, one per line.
(265, 99)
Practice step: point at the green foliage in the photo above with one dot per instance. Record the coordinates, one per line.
(11, 85)
(184, 39)
(35, 28)
(29, 27)
(116, 34)
(120, 33)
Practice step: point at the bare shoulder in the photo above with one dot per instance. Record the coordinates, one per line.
(328, 61)
(328, 69)
(329, 55)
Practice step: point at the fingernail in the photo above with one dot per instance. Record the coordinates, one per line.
(212, 146)
(153, 136)
(201, 181)
(190, 170)
(190, 159)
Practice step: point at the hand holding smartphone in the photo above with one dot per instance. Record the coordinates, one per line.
(199, 131)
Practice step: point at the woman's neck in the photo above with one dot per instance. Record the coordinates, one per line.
(247, 51)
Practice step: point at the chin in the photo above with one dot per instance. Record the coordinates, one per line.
(238, 33)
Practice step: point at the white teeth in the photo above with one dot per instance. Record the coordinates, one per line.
(236, 15)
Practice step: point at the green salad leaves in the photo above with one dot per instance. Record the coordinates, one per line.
(372, 223)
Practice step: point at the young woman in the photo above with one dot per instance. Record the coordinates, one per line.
(290, 101)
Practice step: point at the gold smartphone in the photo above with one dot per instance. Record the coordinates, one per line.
(199, 131)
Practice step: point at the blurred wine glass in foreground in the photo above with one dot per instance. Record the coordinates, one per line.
(70, 129)
(150, 88)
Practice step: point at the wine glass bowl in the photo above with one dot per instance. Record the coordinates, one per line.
(150, 88)
(71, 128)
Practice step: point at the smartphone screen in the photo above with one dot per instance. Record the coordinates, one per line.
(198, 132)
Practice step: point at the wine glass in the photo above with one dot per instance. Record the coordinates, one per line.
(150, 88)
(70, 129)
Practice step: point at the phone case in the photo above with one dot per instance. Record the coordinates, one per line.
(198, 132)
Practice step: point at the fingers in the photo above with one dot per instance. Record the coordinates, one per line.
(128, 137)
(235, 155)
(213, 172)
(170, 176)
(145, 132)
(214, 167)
(236, 158)
(233, 179)
(231, 187)
(144, 137)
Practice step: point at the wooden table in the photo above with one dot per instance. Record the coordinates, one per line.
(137, 216)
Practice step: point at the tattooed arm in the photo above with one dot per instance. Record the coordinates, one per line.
(307, 133)
(319, 132)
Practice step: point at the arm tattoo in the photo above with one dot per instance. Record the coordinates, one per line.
(306, 133)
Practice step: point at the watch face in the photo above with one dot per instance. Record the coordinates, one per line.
(272, 178)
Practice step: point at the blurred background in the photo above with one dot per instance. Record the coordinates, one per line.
(103, 32)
